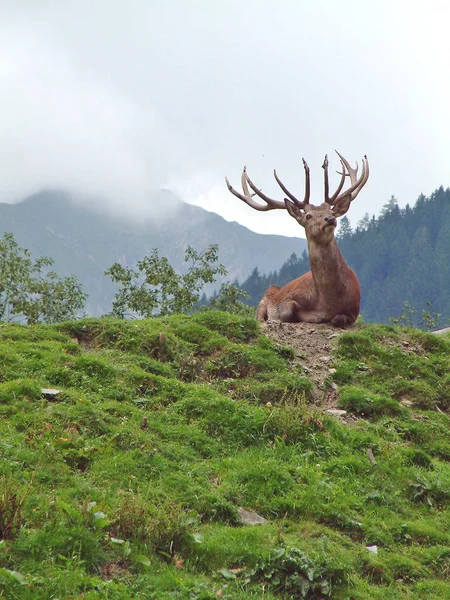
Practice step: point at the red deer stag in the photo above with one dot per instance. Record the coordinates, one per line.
(330, 292)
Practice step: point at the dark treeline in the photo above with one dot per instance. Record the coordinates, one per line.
(401, 256)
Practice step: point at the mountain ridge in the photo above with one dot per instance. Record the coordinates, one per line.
(85, 242)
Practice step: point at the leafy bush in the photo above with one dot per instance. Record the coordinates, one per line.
(30, 292)
(290, 571)
(156, 289)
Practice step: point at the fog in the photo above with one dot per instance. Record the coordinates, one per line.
(114, 100)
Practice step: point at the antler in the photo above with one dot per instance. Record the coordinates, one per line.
(271, 204)
(297, 203)
(341, 202)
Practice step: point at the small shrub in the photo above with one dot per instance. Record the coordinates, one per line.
(204, 340)
(425, 532)
(285, 352)
(95, 368)
(290, 571)
(429, 489)
(19, 390)
(405, 568)
(221, 418)
(64, 541)
(230, 363)
(293, 424)
(278, 389)
(346, 372)
(11, 502)
(367, 403)
(430, 342)
(416, 456)
(163, 525)
(76, 453)
(354, 345)
(212, 507)
(233, 327)
(444, 392)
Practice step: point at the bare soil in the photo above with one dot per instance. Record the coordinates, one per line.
(313, 345)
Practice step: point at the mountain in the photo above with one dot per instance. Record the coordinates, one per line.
(85, 243)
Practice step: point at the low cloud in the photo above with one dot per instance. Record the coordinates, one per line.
(67, 129)
(112, 100)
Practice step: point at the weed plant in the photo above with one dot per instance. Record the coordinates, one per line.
(128, 483)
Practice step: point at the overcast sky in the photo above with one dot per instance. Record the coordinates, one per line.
(114, 98)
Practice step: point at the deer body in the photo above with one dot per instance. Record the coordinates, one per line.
(317, 296)
(330, 292)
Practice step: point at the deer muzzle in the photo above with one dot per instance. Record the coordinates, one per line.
(331, 221)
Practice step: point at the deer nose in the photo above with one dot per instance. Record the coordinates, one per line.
(331, 220)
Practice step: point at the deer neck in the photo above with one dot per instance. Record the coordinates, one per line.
(328, 267)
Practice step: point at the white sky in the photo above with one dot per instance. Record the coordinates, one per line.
(115, 98)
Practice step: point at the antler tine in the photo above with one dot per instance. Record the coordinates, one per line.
(331, 200)
(247, 197)
(307, 182)
(271, 203)
(363, 179)
(286, 191)
(356, 184)
(297, 202)
(365, 170)
(325, 179)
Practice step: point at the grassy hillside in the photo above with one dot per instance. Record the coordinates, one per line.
(128, 483)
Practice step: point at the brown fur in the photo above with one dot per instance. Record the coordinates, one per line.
(329, 293)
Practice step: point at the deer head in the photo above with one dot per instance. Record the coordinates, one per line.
(319, 221)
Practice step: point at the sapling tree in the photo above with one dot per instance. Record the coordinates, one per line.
(30, 292)
(231, 299)
(155, 288)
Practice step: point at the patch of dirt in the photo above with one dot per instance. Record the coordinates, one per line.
(313, 345)
(114, 569)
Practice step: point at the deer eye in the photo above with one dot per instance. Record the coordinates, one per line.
(308, 216)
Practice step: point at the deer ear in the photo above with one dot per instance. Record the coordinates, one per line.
(292, 209)
(342, 207)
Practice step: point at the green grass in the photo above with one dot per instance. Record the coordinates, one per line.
(128, 483)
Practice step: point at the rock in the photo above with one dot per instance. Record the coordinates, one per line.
(336, 412)
(325, 359)
(50, 393)
(406, 402)
(247, 517)
(442, 331)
